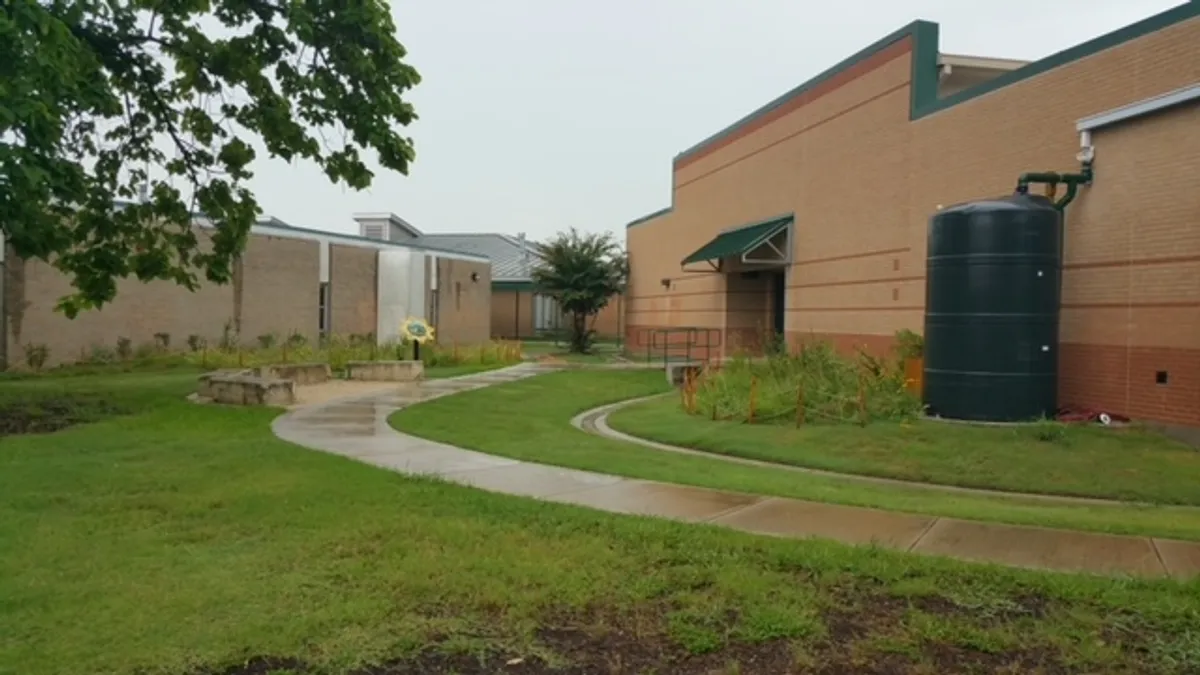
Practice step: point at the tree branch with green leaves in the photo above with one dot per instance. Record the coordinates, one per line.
(121, 120)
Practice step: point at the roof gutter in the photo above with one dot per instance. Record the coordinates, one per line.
(1141, 108)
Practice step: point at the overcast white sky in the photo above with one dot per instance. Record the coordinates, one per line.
(538, 115)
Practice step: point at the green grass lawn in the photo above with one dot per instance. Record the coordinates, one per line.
(180, 539)
(602, 352)
(529, 420)
(1087, 461)
(442, 372)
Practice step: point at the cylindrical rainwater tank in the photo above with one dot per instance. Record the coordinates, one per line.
(991, 310)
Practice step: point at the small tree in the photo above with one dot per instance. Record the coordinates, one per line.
(582, 272)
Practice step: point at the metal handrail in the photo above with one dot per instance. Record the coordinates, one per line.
(696, 340)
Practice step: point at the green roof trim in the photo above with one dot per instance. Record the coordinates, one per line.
(648, 217)
(828, 74)
(924, 99)
(741, 240)
(925, 62)
(517, 286)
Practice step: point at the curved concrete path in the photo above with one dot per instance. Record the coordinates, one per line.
(357, 427)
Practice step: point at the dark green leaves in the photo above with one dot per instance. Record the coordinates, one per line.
(583, 272)
(102, 101)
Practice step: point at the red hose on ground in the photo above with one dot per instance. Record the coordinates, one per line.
(1089, 415)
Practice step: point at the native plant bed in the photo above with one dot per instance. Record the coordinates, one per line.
(41, 405)
(232, 351)
(53, 413)
(185, 539)
(854, 414)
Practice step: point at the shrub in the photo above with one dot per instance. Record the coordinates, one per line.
(1048, 431)
(146, 352)
(162, 341)
(832, 388)
(266, 341)
(338, 350)
(229, 337)
(36, 356)
(196, 343)
(909, 345)
(492, 353)
(124, 348)
(101, 354)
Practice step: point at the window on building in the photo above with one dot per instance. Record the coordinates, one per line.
(323, 307)
(457, 296)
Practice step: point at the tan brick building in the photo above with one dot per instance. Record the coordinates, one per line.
(851, 165)
(519, 311)
(289, 280)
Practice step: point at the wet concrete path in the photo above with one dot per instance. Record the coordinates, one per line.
(357, 427)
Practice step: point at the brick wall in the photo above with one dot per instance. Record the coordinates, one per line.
(353, 286)
(280, 286)
(513, 311)
(863, 180)
(277, 279)
(463, 306)
(512, 315)
(609, 322)
(139, 311)
(1131, 288)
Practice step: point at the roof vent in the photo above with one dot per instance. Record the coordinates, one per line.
(385, 226)
(374, 231)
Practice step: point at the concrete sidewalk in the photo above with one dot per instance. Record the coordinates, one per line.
(357, 427)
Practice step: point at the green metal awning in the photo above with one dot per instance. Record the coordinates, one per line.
(741, 240)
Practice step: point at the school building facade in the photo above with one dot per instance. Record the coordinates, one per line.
(808, 218)
(289, 280)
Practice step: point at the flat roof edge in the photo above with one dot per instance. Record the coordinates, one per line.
(362, 242)
(648, 217)
(828, 73)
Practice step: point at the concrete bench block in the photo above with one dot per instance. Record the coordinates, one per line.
(385, 371)
(299, 373)
(245, 389)
(205, 386)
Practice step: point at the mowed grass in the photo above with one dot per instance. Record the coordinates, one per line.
(530, 420)
(601, 352)
(1131, 463)
(180, 538)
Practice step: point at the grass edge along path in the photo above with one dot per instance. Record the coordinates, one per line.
(186, 540)
(1052, 459)
(530, 420)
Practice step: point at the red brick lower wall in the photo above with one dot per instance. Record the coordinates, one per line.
(847, 343)
(1122, 380)
(1110, 378)
(705, 344)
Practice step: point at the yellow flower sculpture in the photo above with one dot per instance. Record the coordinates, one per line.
(417, 330)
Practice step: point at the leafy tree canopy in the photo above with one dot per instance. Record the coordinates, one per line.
(583, 272)
(101, 100)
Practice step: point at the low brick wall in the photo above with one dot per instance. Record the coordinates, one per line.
(299, 373)
(385, 371)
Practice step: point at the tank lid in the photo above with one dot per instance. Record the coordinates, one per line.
(1013, 202)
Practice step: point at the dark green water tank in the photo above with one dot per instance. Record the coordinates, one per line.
(991, 310)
